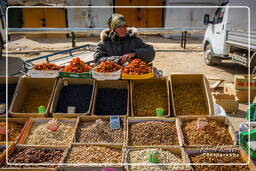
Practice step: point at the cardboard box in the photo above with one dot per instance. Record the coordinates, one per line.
(24, 86)
(12, 148)
(104, 118)
(221, 119)
(150, 81)
(242, 82)
(132, 120)
(21, 121)
(117, 84)
(179, 79)
(60, 85)
(75, 75)
(106, 75)
(43, 74)
(11, 80)
(233, 149)
(179, 151)
(242, 95)
(31, 121)
(138, 77)
(227, 101)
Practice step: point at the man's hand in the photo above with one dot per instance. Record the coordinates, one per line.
(126, 57)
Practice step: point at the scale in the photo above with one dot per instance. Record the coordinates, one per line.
(115, 122)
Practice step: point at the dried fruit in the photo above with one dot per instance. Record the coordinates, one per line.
(77, 66)
(214, 133)
(137, 67)
(152, 133)
(189, 100)
(14, 131)
(107, 66)
(46, 66)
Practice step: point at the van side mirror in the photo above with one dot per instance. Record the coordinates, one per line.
(206, 19)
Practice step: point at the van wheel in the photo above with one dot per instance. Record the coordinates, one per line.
(209, 58)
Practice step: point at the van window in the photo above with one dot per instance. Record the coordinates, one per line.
(219, 14)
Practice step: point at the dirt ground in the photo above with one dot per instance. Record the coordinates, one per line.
(170, 58)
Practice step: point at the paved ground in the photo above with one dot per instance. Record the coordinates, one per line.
(170, 58)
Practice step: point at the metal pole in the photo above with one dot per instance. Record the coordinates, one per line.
(73, 39)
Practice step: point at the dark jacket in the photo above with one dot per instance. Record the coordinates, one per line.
(111, 48)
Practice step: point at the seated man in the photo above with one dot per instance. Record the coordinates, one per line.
(121, 44)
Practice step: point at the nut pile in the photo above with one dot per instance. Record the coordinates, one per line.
(111, 101)
(94, 154)
(141, 156)
(189, 100)
(137, 67)
(14, 131)
(218, 158)
(46, 66)
(34, 99)
(11, 90)
(148, 97)
(46, 133)
(214, 133)
(152, 133)
(36, 155)
(78, 96)
(99, 131)
(2, 149)
(77, 66)
(107, 66)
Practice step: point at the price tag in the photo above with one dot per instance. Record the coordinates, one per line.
(2, 108)
(115, 122)
(71, 109)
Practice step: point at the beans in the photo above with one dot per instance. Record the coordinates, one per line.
(77, 66)
(94, 154)
(189, 100)
(110, 101)
(141, 156)
(34, 99)
(41, 135)
(74, 95)
(107, 66)
(218, 158)
(153, 133)
(2, 149)
(34, 155)
(14, 130)
(137, 67)
(11, 90)
(89, 132)
(148, 97)
(214, 133)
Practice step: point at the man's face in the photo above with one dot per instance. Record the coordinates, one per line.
(121, 30)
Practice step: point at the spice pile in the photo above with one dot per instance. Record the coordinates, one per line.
(189, 100)
(213, 133)
(34, 99)
(165, 156)
(51, 132)
(99, 131)
(111, 101)
(36, 155)
(137, 67)
(152, 133)
(107, 66)
(78, 96)
(46, 66)
(77, 66)
(218, 158)
(11, 90)
(148, 97)
(94, 154)
(14, 131)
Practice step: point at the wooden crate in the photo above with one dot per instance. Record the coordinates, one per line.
(117, 84)
(94, 118)
(220, 119)
(27, 131)
(150, 81)
(179, 79)
(175, 150)
(24, 86)
(144, 119)
(58, 89)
